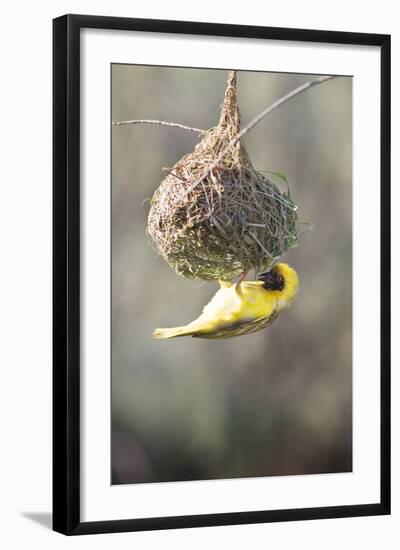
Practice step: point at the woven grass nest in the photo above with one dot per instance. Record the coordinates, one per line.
(233, 220)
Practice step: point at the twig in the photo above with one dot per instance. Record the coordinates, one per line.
(160, 123)
(255, 121)
(173, 174)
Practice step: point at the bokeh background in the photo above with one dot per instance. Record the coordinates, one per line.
(277, 402)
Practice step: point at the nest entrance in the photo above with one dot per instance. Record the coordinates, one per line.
(233, 220)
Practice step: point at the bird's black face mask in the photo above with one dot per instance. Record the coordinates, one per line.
(272, 279)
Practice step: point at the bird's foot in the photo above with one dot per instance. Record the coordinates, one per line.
(240, 281)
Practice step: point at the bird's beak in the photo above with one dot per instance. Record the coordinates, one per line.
(273, 279)
(268, 277)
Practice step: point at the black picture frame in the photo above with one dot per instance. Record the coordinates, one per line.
(66, 273)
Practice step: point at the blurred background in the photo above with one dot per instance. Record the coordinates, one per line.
(277, 402)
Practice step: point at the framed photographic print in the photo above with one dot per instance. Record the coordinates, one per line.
(221, 274)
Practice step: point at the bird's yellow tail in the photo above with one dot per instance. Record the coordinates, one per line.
(172, 332)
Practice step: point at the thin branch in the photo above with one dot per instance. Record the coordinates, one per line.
(160, 123)
(255, 121)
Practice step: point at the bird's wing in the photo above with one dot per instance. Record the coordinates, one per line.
(238, 328)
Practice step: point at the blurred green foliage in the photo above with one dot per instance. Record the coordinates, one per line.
(276, 402)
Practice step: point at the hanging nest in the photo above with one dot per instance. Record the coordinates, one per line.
(233, 220)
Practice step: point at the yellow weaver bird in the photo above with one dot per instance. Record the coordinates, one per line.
(242, 308)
